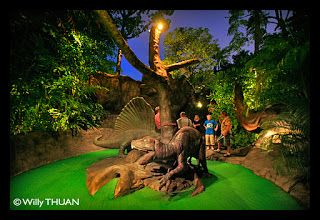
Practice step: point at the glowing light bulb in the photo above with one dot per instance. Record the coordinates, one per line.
(160, 26)
(199, 104)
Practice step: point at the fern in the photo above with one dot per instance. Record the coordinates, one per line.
(292, 130)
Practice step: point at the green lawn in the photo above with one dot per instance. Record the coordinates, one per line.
(233, 188)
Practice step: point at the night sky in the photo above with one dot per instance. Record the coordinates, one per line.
(215, 20)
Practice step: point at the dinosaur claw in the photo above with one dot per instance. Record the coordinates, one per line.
(163, 180)
(198, 190)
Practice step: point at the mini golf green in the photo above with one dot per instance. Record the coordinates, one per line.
(62, 185)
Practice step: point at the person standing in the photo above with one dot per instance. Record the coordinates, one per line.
(218, 137)
(184, 121)
(226, 131)
(211, 126)
(198, 124)
(157, 119)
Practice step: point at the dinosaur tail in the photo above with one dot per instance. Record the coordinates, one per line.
(111, 143)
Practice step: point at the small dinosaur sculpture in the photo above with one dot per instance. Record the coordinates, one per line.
(187, 142)
(135, 121)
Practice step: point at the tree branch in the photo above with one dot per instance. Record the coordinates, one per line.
(271, 22)
(272, 17)
(181, 64)
(111, 28)
(288, 12)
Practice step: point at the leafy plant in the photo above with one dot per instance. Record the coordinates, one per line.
(49, 90)
(292, 131)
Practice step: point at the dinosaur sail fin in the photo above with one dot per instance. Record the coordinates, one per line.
(136, 114)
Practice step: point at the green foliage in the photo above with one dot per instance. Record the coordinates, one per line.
(239, 39)
(251, 26)
(187, 43)
(49, 89)
(248, 27)
(279, 73)
(222, 93)
(130, 22)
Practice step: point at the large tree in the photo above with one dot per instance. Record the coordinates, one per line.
(156, 74)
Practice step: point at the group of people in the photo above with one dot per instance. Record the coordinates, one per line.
(215, 132)
(218, 132)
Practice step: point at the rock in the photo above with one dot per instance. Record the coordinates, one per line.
(120, 90)
(302, 193)
(242, 151)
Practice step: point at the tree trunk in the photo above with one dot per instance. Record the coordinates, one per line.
(108, 25)
(281, 23)
(154, 53)
(118, 66)
(163, 90)
(166, 116)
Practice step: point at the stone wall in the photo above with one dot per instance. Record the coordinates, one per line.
(120, 90)
(40, 148)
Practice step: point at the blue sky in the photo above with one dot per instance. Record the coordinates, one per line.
(215, 20)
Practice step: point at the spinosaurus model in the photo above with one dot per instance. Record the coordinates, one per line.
(135, 121)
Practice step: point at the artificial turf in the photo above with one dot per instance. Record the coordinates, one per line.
(233, 187)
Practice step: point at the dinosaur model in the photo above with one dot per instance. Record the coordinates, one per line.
(187, 142)
(135, 121)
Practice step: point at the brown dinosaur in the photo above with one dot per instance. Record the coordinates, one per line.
(187, 142)
(135, 121)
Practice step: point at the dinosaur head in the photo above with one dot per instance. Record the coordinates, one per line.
(146, 143)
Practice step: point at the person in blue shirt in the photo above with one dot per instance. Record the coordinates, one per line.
(211, 127)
